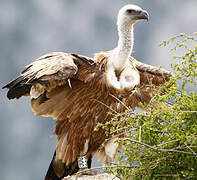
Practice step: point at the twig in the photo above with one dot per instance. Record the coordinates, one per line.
(166, 175)
(140, 133)
(186, 111)
(119, 101)
(167, 142)
(118, 135)
(123, 129)
(105, 105)
(190, 148)
(134, 141)
(120, 129)
(160, 150)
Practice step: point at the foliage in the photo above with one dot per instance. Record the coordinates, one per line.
(162, 143)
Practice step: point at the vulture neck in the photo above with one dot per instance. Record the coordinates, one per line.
(123, 51)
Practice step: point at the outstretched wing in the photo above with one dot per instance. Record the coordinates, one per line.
(59, 85)
(151, 77)
(47, 72)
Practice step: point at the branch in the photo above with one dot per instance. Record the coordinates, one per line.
(160, 150)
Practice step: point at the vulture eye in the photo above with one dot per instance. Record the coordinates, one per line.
(130, 11)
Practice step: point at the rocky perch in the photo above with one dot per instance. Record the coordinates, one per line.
(101, 176)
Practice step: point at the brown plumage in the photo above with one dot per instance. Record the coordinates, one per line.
(78, 92)
(80, 107)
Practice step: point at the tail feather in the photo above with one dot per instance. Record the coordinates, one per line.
(51, 173)
(58, 170)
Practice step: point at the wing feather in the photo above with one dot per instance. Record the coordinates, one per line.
(54, 66)
(48, 72)
(151, 74)
(151, 77)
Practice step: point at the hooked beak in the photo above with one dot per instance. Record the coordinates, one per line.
(142, 15)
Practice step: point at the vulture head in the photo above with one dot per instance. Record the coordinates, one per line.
(130, 14)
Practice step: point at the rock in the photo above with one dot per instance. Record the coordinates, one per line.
(101, 176)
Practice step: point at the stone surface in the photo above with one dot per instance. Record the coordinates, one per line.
(102, 176)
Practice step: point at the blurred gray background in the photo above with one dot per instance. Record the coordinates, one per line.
(31, 28)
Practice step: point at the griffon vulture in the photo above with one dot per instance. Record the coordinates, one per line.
(78, 92)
